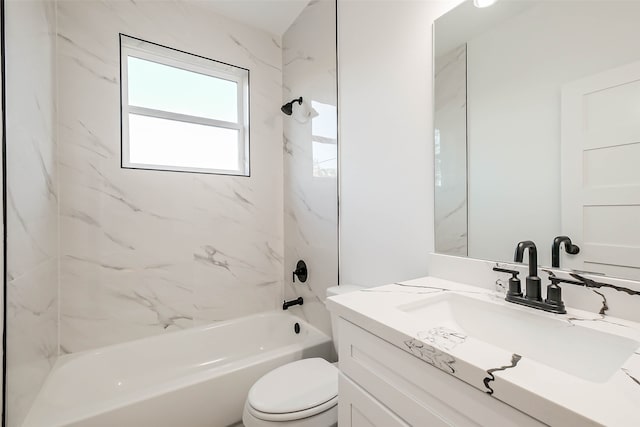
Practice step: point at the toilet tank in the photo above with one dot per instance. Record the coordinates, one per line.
(339, 290)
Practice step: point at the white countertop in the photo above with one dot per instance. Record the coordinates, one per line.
(545, 393)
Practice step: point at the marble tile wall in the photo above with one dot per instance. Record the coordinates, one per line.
(144, 252)
(32, 202)
(310, 158)
(450, 115)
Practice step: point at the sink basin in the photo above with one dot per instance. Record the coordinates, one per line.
(582, 352)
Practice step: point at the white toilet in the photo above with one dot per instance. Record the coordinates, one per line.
(299, 394)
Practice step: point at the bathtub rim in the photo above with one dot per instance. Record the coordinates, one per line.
(317, 338)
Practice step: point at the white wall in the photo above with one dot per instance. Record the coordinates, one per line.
(386, 138)
(32, 202)
(145, 252)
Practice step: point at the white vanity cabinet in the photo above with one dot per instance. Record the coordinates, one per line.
(357, 408)
(384, 386)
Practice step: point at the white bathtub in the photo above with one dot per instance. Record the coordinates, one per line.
(192, 378)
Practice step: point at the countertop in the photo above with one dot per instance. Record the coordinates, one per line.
(550, 395)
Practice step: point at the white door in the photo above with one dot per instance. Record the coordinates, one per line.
(600, 177)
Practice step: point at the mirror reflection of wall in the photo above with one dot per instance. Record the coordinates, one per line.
(450, 145)
(521, 58)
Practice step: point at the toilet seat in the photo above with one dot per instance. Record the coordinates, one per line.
(291, 416)
(295, 391)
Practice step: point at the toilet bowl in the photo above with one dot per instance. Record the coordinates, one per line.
(299, 394)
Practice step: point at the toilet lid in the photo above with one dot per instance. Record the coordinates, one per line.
(295, 387)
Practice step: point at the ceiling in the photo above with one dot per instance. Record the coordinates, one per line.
(274, 16)
(466, 21)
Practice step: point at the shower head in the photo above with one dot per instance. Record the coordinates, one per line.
(288, 107)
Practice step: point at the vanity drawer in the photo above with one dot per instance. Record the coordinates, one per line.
(419, 393)
(357, 408)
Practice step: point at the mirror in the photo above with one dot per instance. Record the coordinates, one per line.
(537, 132)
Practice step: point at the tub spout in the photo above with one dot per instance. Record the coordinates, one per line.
(287, 304)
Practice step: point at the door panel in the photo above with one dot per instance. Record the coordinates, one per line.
(600, 178)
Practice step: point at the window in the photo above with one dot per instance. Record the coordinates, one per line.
(182, 112)
(324, 134)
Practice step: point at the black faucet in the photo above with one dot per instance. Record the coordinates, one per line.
(533, 297)
(534, 284)
(555, 249)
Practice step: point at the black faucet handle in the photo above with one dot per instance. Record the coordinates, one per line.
(506, 270)
(515, 288)
(301, 272)
(554, 297)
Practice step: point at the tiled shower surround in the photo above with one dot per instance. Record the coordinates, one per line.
(100, 255)
(143, 251)
(32, 201)
(310, 158)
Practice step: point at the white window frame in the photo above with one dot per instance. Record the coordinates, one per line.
(148, 51)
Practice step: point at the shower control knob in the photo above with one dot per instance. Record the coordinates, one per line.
(300, 271)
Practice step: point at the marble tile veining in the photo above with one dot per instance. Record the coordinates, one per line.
(144, 252)
(515, 358)
(451, 151)
(558, 374)
(310, 201)
(32, 202)
(99, 254)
